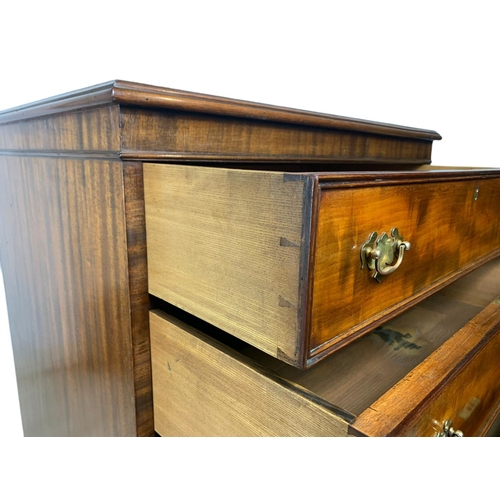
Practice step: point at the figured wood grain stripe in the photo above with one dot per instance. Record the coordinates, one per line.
(151, 96)
(63, 249)
(201, 136)
(95, 130)
(136, 94)
(133, 184)
(200, 389)
(355, 376)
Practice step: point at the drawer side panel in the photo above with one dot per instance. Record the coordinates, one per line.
(202, 390)
(226, 246)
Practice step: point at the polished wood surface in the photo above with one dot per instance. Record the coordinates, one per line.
(494, 428)
(470, 398)
(202, 388)
(465, 386)
(73, 250)
(133, 185)
(193, 136)
(141, 95)
(448, 230)
(159, 123)
(94, 131)
(153, 96)
(64, 259)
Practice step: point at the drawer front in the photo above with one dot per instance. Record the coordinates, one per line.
(202, 388)
(468, 401)
(452, 226)
(459, 382)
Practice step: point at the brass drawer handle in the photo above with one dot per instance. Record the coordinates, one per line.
(378, 253)
(449, 431)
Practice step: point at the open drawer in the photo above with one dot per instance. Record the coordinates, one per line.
(301, 264)
(433, 369)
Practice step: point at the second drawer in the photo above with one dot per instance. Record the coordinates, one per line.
(298, 265)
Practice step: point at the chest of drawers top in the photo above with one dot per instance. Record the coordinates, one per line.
(136, 121)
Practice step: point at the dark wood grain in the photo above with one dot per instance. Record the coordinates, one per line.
(177, 134)
(443, 374)
(76, 100)
(423, 175)
(159, 123)
(73, 247)
(203, 223)
(152, 96)
(492, 425)
(90, 131)
(355, 376)
(138, 290)
(64, 257)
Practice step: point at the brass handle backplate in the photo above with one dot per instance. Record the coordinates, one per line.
(449, 431)
(379, 253)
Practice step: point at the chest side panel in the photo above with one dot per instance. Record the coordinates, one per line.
(63, 248)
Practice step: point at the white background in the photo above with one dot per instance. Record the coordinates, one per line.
(430, 64)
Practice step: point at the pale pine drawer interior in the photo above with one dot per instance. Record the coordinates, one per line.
(201, 387)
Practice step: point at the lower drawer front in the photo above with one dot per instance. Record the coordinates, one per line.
(469, 401)
(458, 383)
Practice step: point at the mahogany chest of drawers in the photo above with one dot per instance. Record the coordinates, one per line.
(191, 265)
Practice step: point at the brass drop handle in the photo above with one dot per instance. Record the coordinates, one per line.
(378, 253)
(449, 431)
(385, 270)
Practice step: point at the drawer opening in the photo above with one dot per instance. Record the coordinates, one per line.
(358, 374)
(350, 380)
